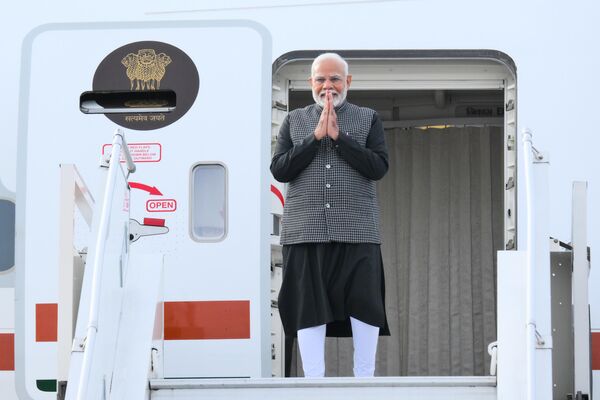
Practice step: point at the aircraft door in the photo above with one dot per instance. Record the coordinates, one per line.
(200, 196)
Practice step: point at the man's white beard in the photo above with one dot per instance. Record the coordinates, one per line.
(337, 100)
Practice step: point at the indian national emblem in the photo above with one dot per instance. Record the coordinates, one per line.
(145, 69)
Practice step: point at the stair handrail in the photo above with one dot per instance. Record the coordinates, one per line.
(119, 146)
(528, 153)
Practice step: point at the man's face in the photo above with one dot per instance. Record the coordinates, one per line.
(329, 76)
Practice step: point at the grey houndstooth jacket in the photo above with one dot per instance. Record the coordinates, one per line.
(329, 200)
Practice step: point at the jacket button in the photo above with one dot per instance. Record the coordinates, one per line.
(327, 205)
(328, 186)
(328, 166)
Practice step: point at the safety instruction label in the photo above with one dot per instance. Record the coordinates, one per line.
(126, 201)
(161, 205)
(140, 152)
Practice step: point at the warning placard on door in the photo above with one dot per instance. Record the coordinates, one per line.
(140, 152)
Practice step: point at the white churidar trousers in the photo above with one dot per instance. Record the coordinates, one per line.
(311, 342)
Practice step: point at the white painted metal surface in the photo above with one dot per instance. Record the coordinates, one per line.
(512, 338)
(581, 271)
(7, 383)
(405, 388)
(74, 196)
(7, 317)
(543, 352)
(143, 287)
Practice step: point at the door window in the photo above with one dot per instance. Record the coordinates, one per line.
(209, 202)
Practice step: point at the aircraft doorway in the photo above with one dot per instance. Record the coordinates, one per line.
(446, 207)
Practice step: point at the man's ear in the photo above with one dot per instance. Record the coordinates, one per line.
(348, 80)
(310, 82)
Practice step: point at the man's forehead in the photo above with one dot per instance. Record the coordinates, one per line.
(329, 67)
(323, 75)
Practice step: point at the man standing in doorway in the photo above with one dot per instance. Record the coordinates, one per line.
(331, 153)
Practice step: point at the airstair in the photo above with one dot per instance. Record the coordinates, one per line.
(114, 352)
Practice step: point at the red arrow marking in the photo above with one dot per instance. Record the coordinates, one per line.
(277, 193)
(149, 189)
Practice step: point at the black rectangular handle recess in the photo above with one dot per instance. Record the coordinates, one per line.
(127, 102)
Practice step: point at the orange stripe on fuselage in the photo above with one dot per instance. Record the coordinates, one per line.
(7, 351)
(46, 321)
(194, 320)
(596, 350)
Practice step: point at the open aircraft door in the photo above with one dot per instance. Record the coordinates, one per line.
(200, 195)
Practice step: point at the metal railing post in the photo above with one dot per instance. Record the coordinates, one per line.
(530, 273)
(581, 315)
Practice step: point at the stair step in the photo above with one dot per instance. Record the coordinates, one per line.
(343, 388)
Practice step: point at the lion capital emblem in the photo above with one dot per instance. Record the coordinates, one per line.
(145, 69)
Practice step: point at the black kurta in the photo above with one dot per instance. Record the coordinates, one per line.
(327, 283)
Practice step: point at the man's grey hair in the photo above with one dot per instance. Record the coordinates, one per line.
(329, 56)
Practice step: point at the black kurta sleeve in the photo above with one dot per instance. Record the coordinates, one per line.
(289, 159)
(370, 161)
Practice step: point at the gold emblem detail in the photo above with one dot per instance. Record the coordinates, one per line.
(145, 69)
(145, 103)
